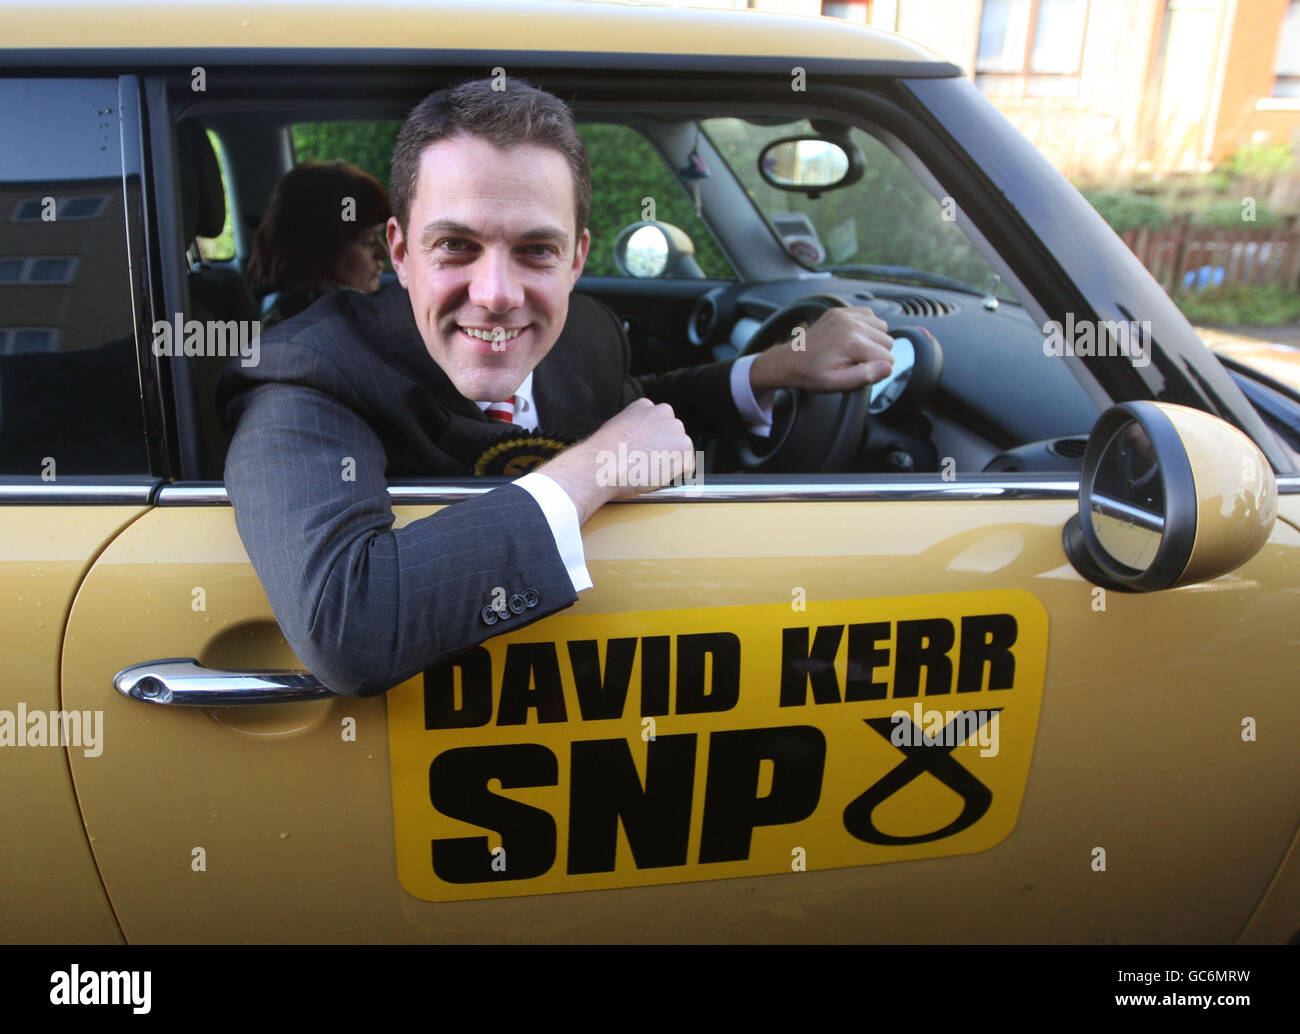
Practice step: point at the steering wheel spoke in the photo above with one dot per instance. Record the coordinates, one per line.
(811, 431)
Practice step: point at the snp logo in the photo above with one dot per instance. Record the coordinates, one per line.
(125, 987)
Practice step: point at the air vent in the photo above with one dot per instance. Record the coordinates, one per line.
(703, 321)
(910, 304)
(1070, 448)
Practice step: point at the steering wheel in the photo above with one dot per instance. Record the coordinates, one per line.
(811, 431)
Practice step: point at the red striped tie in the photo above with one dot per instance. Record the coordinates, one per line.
(503, 411)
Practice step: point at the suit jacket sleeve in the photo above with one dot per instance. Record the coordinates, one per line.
(365, 606)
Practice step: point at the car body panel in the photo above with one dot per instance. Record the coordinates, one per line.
(1279, 362)
(45, 552)
(521, 25)
(1274, 922)
(1288, 501)
(296, 822)
(1277, 919)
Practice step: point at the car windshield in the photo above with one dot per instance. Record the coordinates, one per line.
(886, 225)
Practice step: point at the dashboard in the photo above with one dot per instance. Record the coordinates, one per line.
(999, 404)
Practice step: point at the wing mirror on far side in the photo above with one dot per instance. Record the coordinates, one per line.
(650, 250)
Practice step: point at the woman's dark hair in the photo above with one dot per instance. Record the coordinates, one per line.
(316, 210)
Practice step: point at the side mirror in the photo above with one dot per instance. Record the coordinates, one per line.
(1168, 496)
(651, 250)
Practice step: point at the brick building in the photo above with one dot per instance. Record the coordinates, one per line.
(1110, 87)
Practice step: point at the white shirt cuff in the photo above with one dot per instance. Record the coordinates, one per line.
(757, 418)
(562, 516)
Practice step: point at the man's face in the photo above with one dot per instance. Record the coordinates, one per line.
(489, 259)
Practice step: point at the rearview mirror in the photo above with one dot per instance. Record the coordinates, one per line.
(810, 164)
(1168, 496)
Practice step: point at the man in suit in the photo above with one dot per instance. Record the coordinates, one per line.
(490, 193)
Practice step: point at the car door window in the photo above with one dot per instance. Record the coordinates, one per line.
(220, 248)
(69, 383)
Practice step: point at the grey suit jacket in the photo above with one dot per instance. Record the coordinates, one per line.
(346, 398)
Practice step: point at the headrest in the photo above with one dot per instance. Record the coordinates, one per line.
(203, 199)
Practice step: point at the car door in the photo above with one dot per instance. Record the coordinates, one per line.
(728, 737)
(278, 822)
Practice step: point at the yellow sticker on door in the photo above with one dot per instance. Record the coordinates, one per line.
(616, 750)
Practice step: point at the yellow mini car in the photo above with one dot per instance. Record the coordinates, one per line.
(1003, 649)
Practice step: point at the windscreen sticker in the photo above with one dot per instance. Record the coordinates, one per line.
(591, 751)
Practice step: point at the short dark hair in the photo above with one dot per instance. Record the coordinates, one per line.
(517, 114)
(300, 237)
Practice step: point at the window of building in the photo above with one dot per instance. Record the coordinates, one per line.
(34, 209)
(1287, 66)
(21, 340)
(1031, 48)
(857, 11)
(39, 270)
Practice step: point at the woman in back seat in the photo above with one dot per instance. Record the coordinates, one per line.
(323, 230)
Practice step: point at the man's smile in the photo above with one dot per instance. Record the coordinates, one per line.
(492, 333)
(491, 340)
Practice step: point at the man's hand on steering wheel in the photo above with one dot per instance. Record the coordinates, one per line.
(844, 349)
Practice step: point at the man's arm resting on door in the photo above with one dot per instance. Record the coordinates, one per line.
(365, 606)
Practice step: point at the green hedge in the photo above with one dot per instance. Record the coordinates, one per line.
(367, 144)
(1126, 212)
(1259, 161)
(1240, 303)
(1227, 215)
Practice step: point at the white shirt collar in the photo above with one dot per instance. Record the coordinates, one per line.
(523, 394)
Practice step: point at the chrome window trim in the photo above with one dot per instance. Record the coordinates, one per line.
(895, 490)
(210, 494)
(74, 492)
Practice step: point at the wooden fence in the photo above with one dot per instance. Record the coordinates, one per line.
(1184, 257)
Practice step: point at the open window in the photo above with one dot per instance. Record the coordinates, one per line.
(894, 240)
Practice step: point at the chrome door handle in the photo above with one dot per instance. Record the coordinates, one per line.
(184, 682)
